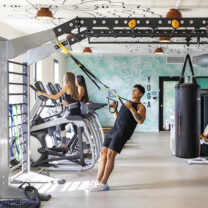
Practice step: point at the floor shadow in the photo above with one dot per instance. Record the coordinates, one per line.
(165, 185)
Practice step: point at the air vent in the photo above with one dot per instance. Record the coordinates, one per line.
(175, 60)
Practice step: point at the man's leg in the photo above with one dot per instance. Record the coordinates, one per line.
(111, 154)
(102, 163)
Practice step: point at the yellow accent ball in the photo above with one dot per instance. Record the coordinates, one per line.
(132, 24)
(175, 23)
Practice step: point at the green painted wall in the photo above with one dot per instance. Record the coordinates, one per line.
(121, 73)
(203, 82)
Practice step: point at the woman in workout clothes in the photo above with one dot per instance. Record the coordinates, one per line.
(83, 98)
(82, 89)
(70, 91)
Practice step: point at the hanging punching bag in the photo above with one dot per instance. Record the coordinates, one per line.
(187, 116)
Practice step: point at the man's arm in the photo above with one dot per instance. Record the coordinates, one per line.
(114, 106)
(140, 114)
(115, 114)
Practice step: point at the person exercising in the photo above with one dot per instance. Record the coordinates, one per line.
(130, 114)
(82, 89)
(71, 94)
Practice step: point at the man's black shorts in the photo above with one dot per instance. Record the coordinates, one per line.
(116, 138)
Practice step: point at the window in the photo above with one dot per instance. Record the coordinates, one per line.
(55, 71)
(38, 71)
(11, 69)
(11, 79)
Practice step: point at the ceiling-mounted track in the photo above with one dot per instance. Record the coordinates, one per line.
(82, 28)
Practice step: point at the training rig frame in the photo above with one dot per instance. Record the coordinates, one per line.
(82, 28)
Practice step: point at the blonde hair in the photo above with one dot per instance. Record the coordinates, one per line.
(72, 89)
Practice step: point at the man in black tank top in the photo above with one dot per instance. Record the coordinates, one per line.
(130, 114)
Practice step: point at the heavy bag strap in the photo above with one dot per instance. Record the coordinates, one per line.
(181, 80)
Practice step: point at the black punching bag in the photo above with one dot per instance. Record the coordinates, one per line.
(187, 116)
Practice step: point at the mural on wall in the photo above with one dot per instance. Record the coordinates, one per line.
(121, 73)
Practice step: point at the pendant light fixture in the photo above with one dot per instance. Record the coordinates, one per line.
(159, 51)
(87, 50)
(172, 13)
(44, 14)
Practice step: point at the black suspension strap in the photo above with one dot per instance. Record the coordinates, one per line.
(90, 75)
(107, 98)
(94, 79)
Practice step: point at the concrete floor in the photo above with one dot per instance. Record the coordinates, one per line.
(145, 176)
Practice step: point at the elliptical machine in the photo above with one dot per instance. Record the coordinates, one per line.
(44, 151)
(88, 113)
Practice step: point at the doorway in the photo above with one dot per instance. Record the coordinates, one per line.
(166, 100)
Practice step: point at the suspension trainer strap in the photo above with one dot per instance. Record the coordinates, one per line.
(107, 98)
(92, 77)
(89, 73)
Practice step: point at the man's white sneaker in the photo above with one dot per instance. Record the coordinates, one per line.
(99, 187)
(93, 183)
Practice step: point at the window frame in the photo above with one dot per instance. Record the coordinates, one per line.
(55, 61)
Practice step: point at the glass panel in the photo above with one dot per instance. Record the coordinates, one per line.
(38, 73)
(168, 101)
(56, 71)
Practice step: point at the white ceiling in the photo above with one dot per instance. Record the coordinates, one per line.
(19, 14)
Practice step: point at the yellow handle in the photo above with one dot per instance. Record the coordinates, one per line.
(68, 53)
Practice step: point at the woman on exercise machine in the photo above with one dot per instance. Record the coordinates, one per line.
(82, 89)
(70, 91)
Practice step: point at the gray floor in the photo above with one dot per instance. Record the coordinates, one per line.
(145, 176)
